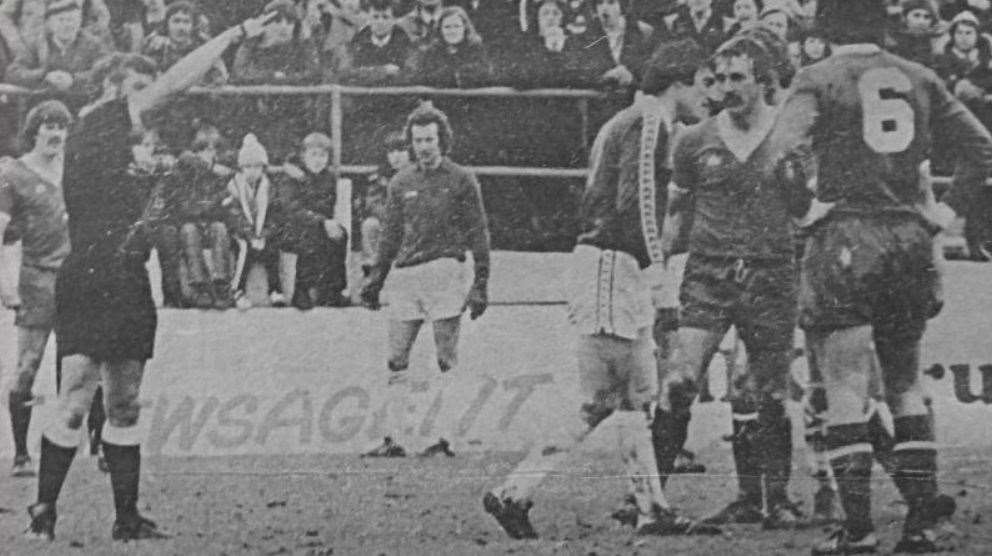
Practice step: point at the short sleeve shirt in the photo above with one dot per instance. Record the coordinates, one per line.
(37, 211)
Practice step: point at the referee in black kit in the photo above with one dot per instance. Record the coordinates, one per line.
(105, 316)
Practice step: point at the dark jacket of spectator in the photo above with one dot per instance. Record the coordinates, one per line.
(955, 66)
(304, 205)
(22, 23)
(195, 192)
(365, 62)
(77, 59)
(590, 56)
(463, 66)
(295, 62)
(498, 22)
(709, 35)
(535, 65)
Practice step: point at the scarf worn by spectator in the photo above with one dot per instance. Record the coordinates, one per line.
(254, 201)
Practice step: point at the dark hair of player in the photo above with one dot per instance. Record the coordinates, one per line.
(777, 49)
(672, 62)
(114, 67)
(378, 5)
(47, 112)
(427, 114)
(852, 21)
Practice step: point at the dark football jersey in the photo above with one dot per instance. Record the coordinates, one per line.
(739, 207)
(871, 118)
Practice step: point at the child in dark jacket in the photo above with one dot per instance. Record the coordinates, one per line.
(308, 195)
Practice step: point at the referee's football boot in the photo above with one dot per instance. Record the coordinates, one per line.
(511, 515)
(928, 528)
(23, 466)
(42, 526)
(439, 448)
(136, 527)
(841, 541)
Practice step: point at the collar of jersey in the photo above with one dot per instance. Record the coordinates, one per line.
(743, 144)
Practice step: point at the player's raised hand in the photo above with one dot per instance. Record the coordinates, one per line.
(255, 26)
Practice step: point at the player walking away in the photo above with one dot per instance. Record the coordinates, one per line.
(31, 202)
(869, 280)
(740, 272)
(434, 214)
(105, 316)
(613, 280)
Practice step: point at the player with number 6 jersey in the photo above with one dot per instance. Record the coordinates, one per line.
(869, 277)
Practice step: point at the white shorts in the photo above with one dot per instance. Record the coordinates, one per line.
(434, 290)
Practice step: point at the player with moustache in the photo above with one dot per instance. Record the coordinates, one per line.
(105, 318)
(32, 203)
(866, 120)
(615, 288)
(740, 272)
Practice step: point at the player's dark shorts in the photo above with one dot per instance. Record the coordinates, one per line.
(104, 310)
(36, 288)
(758, 297)
(869, 270)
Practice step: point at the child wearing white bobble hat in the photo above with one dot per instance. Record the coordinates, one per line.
(251, 199)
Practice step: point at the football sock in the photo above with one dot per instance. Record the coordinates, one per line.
(637, 454)
(745, 459)
(123, 455)
(670, 429)
(774, 449)
(20, 420)
(851, 460)
(52, 469)
(881, 439)
(914, 466)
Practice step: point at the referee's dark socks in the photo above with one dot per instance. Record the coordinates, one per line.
(670, 429)
(122, 452)
(914, 462)
(774, 450)
(20, 420)
(744, 418)
(850, 455)
(58, 448)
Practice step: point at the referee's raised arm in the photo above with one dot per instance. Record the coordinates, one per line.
(191, 68)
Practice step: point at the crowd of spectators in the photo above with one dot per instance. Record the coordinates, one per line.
(277, 176)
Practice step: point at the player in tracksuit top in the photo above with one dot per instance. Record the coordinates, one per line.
(870, 278)
(612, 301)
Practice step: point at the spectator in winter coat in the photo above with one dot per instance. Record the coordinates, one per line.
(179, 35)
(917, 32)
(308, 198)
(457, 59)
(62, 59)
(251, 200)
(746, 14)
(197, 190)
(381, 53)
(283, 55)
(540, 59)
(22, 22)
(610, 54)
(699, 21)
(372, 206)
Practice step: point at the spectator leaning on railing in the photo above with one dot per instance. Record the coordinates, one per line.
(611, 52)
(22, 22)
(381, 53)
(62, 59)
(457, 59)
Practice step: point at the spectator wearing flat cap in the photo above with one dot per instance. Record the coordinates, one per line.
(62, 59)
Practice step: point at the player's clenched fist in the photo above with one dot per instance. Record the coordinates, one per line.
(477, 301)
